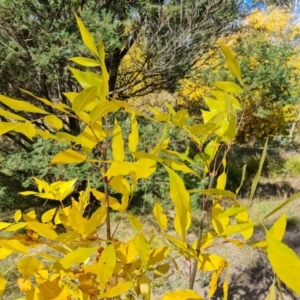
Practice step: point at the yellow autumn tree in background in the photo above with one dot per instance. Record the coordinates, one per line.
(266, 46)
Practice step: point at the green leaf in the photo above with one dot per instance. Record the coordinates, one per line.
(257, 175)
(285, 263)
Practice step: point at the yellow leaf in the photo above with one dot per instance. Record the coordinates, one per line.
(14, 246)
(135, 222)
(278, 228)
(243, 217)
(160, 217)
(59, 106)
(48, 215)
(285, 263)
(158, 255)
(180, 118)
(16, 227)
(102, 109)
(209, 262)
(182, 295)
(145, 286)
(272, 292)
(6, 127)
(96, 220)
(2, 284)
(215, 277)
(46, 135)
(106, 265)
(31, 214)
(222, 224)
(229, 87)
(68, 237)
(83, 99)
(179, 166)
(4, 225)
(21, 105)
(221, 181)
(4, 253)
(17, 216)
(231, 211)
(237, 228)
(145, 167)
(207, 239)
(126, 253)
(143, 248)
(86, 36)
(118, 143)
(289, 200)
(181, 199)
(113, 202)
(77, 256)
(233, 65)
(68, 156)
(120, 168)
(161, 270)
(225, 290)
(42, 229)
(86, 62)
(54, 121)
(11, 115)
(133, 138)
(76, 220)
(27, 129)
(27, 266)
(66, 136)
(119, 289)
(50, 290)
(87, 79)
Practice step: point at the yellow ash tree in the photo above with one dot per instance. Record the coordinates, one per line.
(266, 47)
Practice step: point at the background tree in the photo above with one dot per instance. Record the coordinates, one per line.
(269, 61)
(37, 37)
